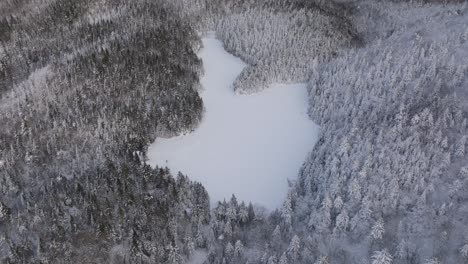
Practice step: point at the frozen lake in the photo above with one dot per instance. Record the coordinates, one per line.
(247, 145)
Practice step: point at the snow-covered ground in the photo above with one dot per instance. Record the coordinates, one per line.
(198, 257)
(247, 145)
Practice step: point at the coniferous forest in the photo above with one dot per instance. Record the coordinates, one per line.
(86, 86)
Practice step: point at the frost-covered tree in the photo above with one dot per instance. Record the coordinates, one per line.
(272, 260)
(378, 229)
(238, 249)
(294, 248)
(276, 234)
(227, 229)
(464, 250)
(286, 211)
(229, 250)
(433, 261)
(283, 259)
(322, 260)
(381, 257)
(243, 213)
(174, 256)
(342, 221)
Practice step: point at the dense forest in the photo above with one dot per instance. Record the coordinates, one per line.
(86, 85)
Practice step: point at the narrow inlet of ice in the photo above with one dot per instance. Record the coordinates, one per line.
(247, 145)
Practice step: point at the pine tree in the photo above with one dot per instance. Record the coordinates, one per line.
(283, 259)
(294, 248)
(272, 260)
(323, 260)
(464, 172)
(4, 211)
(355, 190)
(243, 213)
(460, 147)
(378, 229)
(342, 221)
(189, 246)
(464, 250)
(229, 251)
(231, 211)
(238, 249)
(286, 211)
(251, 213)
(174, 256)
(382, 257)
(228, 229)
(324, 220)
(433, 261)
(199, 238)
(276, 233)
(338, 203)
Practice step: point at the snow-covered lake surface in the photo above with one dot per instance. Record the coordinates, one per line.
(247, 145)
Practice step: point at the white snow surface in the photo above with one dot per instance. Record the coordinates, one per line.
(247, 145)
(198, 257)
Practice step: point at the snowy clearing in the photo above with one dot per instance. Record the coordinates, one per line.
(247, 145)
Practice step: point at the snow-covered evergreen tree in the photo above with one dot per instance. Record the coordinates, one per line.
(382, 257)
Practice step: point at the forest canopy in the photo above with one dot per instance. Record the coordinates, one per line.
(85, 86)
